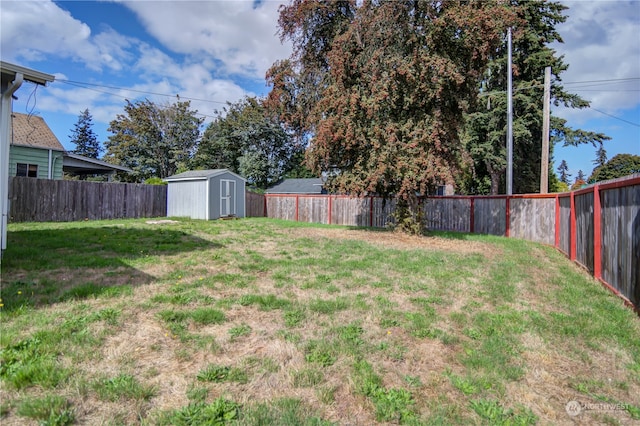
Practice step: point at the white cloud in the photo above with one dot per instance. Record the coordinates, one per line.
(240, 35)
(601, 42)
(34, 30)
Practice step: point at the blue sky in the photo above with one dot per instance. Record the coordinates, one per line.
(103, 52)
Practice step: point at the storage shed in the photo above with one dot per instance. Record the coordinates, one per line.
(206, 194)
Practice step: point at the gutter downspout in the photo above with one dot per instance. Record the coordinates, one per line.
(49, 172)
(5, 124)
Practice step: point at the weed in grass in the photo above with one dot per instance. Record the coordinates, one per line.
(329, 307)
(413, 381)
(50, 410)
(465, 385)
(392, 405)
(239, 331)
(197, 394)
(492, 412)
(31, 362)
(230, 280)
(123, 386)
(285, 412)
(290, 336)
(418, 324)
(326, 394)
(221, 411)
(321, 352)
(294, 317)
(207, 316)
(220, 373)
(267, 302)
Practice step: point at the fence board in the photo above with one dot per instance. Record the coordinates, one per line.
(254, 204)
(565, 224)
(620, 233)
(42, 200)
(490, 216)
(313, 209)
(351, 211)
(584, 230)
(533, 219)
(448, 214)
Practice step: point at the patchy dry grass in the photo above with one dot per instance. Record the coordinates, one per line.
(258, 321)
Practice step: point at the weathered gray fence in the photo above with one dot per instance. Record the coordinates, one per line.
(43, 200)
(598, 227)
(254, 204)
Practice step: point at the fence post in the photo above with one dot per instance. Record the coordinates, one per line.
(472, 214)
(329, 212)
(557, 235)
(597, 235)
(572, 239)
(297, 201)
(370, 211)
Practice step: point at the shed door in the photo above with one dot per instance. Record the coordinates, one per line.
(227, 197)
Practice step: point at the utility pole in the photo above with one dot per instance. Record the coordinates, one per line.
(509, 118)
(544, 163)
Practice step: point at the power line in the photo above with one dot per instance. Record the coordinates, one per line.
(617, 118)
(83, 84)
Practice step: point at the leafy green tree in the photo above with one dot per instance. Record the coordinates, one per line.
(485, 132)
(248, 139)
(618, 166)
(84, 138)
(381, 87)
(563, 171)
(153, 140)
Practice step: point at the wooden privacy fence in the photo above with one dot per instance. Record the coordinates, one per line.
(598, 227)
(42, 200)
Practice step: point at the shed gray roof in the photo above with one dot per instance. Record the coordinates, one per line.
(200, 175)
(297, 186)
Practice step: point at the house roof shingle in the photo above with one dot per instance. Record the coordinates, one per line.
(32, 131)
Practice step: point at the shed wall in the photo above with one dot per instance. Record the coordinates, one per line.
(214, 195)
(187, 198)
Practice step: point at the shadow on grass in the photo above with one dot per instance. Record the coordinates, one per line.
(43, 266)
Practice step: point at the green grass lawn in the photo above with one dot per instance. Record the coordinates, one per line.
(258, 321)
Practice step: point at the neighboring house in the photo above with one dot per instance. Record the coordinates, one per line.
(298, 186)
(34, 151)
(206, 194)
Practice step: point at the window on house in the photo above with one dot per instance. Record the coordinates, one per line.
(28, 170)
(441, 190)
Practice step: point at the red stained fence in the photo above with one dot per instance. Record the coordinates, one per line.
(597, 227)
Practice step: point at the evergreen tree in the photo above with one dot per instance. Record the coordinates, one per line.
(485, 132)
(84, 138)
(563, 171)
(601, 157)
(580, 176)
